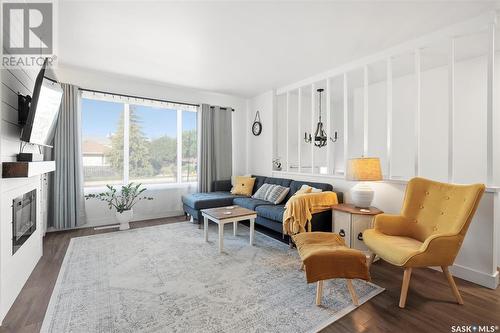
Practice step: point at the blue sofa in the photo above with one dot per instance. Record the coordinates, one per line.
(268, 215)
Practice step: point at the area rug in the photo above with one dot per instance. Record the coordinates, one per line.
(166, 278)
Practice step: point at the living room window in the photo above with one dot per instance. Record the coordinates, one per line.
(137, 141)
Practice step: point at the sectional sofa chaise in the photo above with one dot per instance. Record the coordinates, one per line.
(268, 214)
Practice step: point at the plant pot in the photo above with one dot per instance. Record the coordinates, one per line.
(124, 218)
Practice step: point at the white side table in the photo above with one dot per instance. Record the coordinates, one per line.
(349, 222)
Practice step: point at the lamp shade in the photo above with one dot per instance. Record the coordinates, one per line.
(364, 169)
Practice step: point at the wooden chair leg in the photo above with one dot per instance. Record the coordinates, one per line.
(453, 286)
(319, 292)
(354, 297)
(404, 287)
(302, 266)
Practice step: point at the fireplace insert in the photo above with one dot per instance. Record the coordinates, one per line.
(23, 219)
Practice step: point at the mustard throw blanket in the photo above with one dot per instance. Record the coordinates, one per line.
(300, 207)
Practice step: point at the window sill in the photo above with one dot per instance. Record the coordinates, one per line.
(150, 187)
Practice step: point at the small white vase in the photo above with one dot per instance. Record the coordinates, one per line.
(124, 218)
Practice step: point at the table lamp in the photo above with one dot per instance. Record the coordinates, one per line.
(363, 169)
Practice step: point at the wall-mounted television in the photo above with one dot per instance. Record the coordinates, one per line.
(39, 114)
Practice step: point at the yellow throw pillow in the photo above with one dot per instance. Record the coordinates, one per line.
(303, 190)
(243, 185)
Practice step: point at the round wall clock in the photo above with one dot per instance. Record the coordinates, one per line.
(257, 125)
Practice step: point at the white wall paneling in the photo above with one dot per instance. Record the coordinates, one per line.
(356, 112)
(327, 117)
(408, 105)
(365, 110)
(389, 116)
(320, 155)
(403, 109)
(375, 124)
(490, 101)
(417, 114)
(312, 127)
(305, 123)
(451, 110)
(472, 129)
(432, 128)
(335, 124)
(299, 130)
(16, 268)
(287, 135)
(280, 126)
(345, 115)
(292, 137)
(427, 107)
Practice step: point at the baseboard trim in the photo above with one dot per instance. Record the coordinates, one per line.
(475, 276)
(105, 221)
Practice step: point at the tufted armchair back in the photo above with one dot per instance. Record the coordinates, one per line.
(438, 208)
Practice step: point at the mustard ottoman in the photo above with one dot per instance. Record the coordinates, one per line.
(325, 256)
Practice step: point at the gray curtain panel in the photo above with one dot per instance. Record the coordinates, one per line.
(215, 146)
(68, 203)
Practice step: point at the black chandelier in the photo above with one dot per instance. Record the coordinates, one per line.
(320, 137)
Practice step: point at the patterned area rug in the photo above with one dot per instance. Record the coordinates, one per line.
(167, 279)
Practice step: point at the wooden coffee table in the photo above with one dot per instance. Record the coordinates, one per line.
(230, 214)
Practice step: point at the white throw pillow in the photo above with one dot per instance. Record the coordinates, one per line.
(313, 189)
(261, 192)
(272, 193)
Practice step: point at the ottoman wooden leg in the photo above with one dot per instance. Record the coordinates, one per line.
(302, 266)
(319, 292)
(354, 297)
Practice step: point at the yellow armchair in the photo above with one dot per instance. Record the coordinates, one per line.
(429, 230)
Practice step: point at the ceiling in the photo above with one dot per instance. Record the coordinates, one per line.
(240, 48)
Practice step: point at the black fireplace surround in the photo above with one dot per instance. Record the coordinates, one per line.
(23, 219)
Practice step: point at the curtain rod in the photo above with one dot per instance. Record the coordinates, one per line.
(148, 98)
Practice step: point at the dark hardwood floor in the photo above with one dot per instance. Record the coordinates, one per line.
(430, 306)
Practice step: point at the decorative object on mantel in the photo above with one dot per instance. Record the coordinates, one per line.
(257, 125)
(363, 169)
(277, 164)
(320, 137)
(123, 203)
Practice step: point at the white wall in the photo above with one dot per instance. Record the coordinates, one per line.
(167, 198)
(260, 148)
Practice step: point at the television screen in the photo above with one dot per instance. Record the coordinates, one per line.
(43, 112)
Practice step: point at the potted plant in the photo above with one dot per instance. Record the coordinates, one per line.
(123, 201)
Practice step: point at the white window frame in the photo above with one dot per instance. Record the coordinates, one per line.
(126, 101)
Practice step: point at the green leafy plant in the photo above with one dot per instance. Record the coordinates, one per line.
(122, 201)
